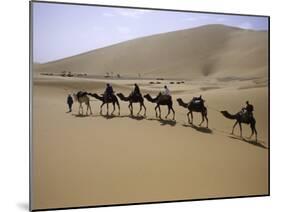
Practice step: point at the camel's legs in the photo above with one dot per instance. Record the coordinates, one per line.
(234, 127)
(130, 108)
(251, 133)
(202, 119)
(144, 109)
(188, 117)
(101, 107)
(159, 111)
(107, 108)
(90, 109)
(81, 108)
(87, 109)
(256, 134)
(173, 113)
(113, 108)
(191, 117)
(240, 126)
(169, 110)
(118, 107)
(140, 108)
(207, 120)
(254, 131)
(156, 111)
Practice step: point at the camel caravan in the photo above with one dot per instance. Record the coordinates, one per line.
(164, 98)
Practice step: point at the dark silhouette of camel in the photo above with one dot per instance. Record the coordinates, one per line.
(133, 99)
(194, 107)
(161, 100)
(241, 118)
(106, 101)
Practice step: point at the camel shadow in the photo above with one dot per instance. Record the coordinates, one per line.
(138, 118)
(82, 115)
(248, 141)
(109, 116)
(199, 129)
(167, 122)
(164, 122)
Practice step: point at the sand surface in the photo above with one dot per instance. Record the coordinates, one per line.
(99, 160)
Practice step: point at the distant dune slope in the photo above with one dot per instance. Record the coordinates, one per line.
(211, 50)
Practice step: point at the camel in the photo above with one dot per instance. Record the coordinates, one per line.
(193, 107)
(82, 97)
(106, 101)
(161, 100)
(240, 118)
(133, 99)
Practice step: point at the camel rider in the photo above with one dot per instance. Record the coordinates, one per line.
(248, 109)
(136, 91)
(166, 91)
(108, 91)
(197, 99)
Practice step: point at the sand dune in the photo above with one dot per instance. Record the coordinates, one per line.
(212, 50)
(97, 160)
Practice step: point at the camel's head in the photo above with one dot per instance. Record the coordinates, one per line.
(181, 103)
(179, 100)
(149, 98)
(146, 96)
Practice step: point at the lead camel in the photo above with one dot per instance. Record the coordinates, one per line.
(240, 118)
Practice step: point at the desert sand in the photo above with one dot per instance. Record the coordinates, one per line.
(100, 160)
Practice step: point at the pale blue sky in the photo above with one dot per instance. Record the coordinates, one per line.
(63, 30)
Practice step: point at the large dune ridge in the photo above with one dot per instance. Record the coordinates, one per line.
(100, 160)
(211, 50)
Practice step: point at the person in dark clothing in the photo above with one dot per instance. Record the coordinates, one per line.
(248, 110)
(136, 91)
(69, 103)
(108, 91)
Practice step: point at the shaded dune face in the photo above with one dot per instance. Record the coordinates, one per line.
(211, 50)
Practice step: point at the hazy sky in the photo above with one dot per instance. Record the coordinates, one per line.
(61, 30)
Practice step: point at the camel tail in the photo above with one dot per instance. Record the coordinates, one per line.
(228, 115)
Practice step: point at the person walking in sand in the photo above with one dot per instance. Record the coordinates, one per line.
(69, 103)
